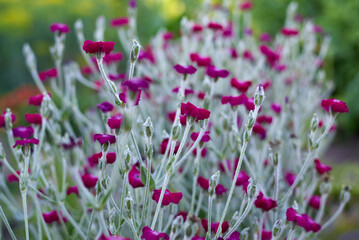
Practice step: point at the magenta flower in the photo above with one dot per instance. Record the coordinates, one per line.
(104, 138)
(164, 144)
(321, 167)
(24, 142)
(168, 197)
(86, 70)
(116, 77)
(242, 178)
(112, 57)
(217, 73)
(33, 118)
(264, 203)
(119, 22)
(201, 95)
(200, 60)
(37, 99)
(72, 143)
(215, 26)
(203, 182)
(214, 226)
(303, 220)
(248, 55)
(167, 36)
(290, 178)
(195, 112)
(172, 116)
(220, 189)
(289, 32)
(234, 101)
(50, 73)
(149, 234)
(59, 27)
(136, 83)
(183, 214)
(134, 177)
(205, 137)
(132, 3)
(115, 121)
(98, 47)
(265, 37)
(198, 238)
(105, 107)
(314, 202)
(250, 104)
(277, 108)
(53, 216)
(13, 177)
(233, 53)
(317, 29)
(23, 132)
(246, 5)
(264, 119)
(196, 28)
(2, 119)
(335, 105)
(72, 189)
(260, 131)
(187, 91)
(185, 70)
(203, 152)
(111, 157)
(94, 158)
(266, 235)
(241, 86)
(272, 57)
(88, 180)
(148, 55)
(234, 236)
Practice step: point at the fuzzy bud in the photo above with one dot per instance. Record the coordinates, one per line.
(127, 156)
(176, 130)
(274, 158)
(8, 119)
(235, 218)
(325, 187)
(259, 95)
(148, 127)
(244, 234)
(246, 135)
(177, 224)
(252, 189)
(2, 152)
(345, 194)
(250, 120)
(277, 228)
(128, 204)
(314, 122)
(135, 51)
(213, 181)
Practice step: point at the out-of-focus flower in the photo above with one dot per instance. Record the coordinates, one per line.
(24, 142)
(50, 73)
(72, 189)
(185, 70)
(335, 105)
(53, 216)
(104, 138)
(265, 203)
(119, 22)
(89, 180)
(98, 47)
(59, 27)
(105, 107)
(314, 202)
(149, 234)
(23, 132)
(321, 167)
(216, 73)
(33, 118)
(168, 197)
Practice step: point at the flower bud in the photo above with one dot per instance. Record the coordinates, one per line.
(295, 206)
(127, 156)
(23, 181)
(235, 218)
(274, 158)
(313, 144)
(277, 228)
(148, 149)
(135, 51)
(259, 95)
(314, 122)
(325, 187)
(176, 130)
(8, 119)
(112, 221)
(128, 204)
(2, 152)
(213, 181)
(244, 234)
(29, 56)
(79, 25)
(177, 224)
(345, 194)
(252, 189)
(148, 127)
(246, 136)
(250, 120)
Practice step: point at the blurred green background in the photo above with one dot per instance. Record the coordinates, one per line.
(29, 21)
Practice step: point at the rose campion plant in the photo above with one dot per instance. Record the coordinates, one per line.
(207, 136)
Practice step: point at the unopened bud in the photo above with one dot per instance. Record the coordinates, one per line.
(177, 224)
(2, 152)
(295, 206)
(213, 181)
(235, 218)
(259, 95)
(244, 234)
(176, 130)
(135, 51)
(246, 135)
(79, 25)
(148, 127)
(325, 187)
(8, 119)
(250, 120)
(100, 28)
(29, 56)
(314, 123)
(252, 189)
(313, 144)
(277, 228)
(274, 158)
(345, 194)
(128, 204)
(127, 156)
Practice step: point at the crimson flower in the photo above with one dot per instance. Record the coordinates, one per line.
(59, 27)
(302, 220)
(148, 55)
(314, 202)
(272, 57)
(13, 177)
(240, 86)
(233, 53)
(72, 189)
(193, 111)
(246, 5)
(235, 100)
(89, 180)
(50, 73)
(265, 37)
(321, 167)
(149, 234)
(98, 47)
(105, 107)
(37, 99)
(196, 28)
(264, 119)
(119, 22)
(216, 73)
(266, 235)
(112, 57)
(134, 177)
(183, 214)
(335, 105)
(168, 197)
(163, 146)
(137, 83)
(242, 178)
(289, 32)
(203, 152)
(220, 189)
(187, 91)
(34, 118)
(215, 26)
(24, 142)
(200, 60)
(185, 69)
(53, 216)
(115, 121)
(214, 226)
(248, 55)
(23, 132)
(277, 108)
(203, 182)
(205, 137)
(2, 119)
(290, 178)
(264, 203)
(260, 131)
(104, 138)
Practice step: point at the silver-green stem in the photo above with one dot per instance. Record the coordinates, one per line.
(290, 234)
(24, 205)
(210, 202)
(72, 221)
(334, 216)
(323, 202)
(2, 214)
(158, 208)
(147, 190)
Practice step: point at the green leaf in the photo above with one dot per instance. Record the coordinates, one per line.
(144, 176)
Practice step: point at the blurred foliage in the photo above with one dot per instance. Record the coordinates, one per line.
(29, 21)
